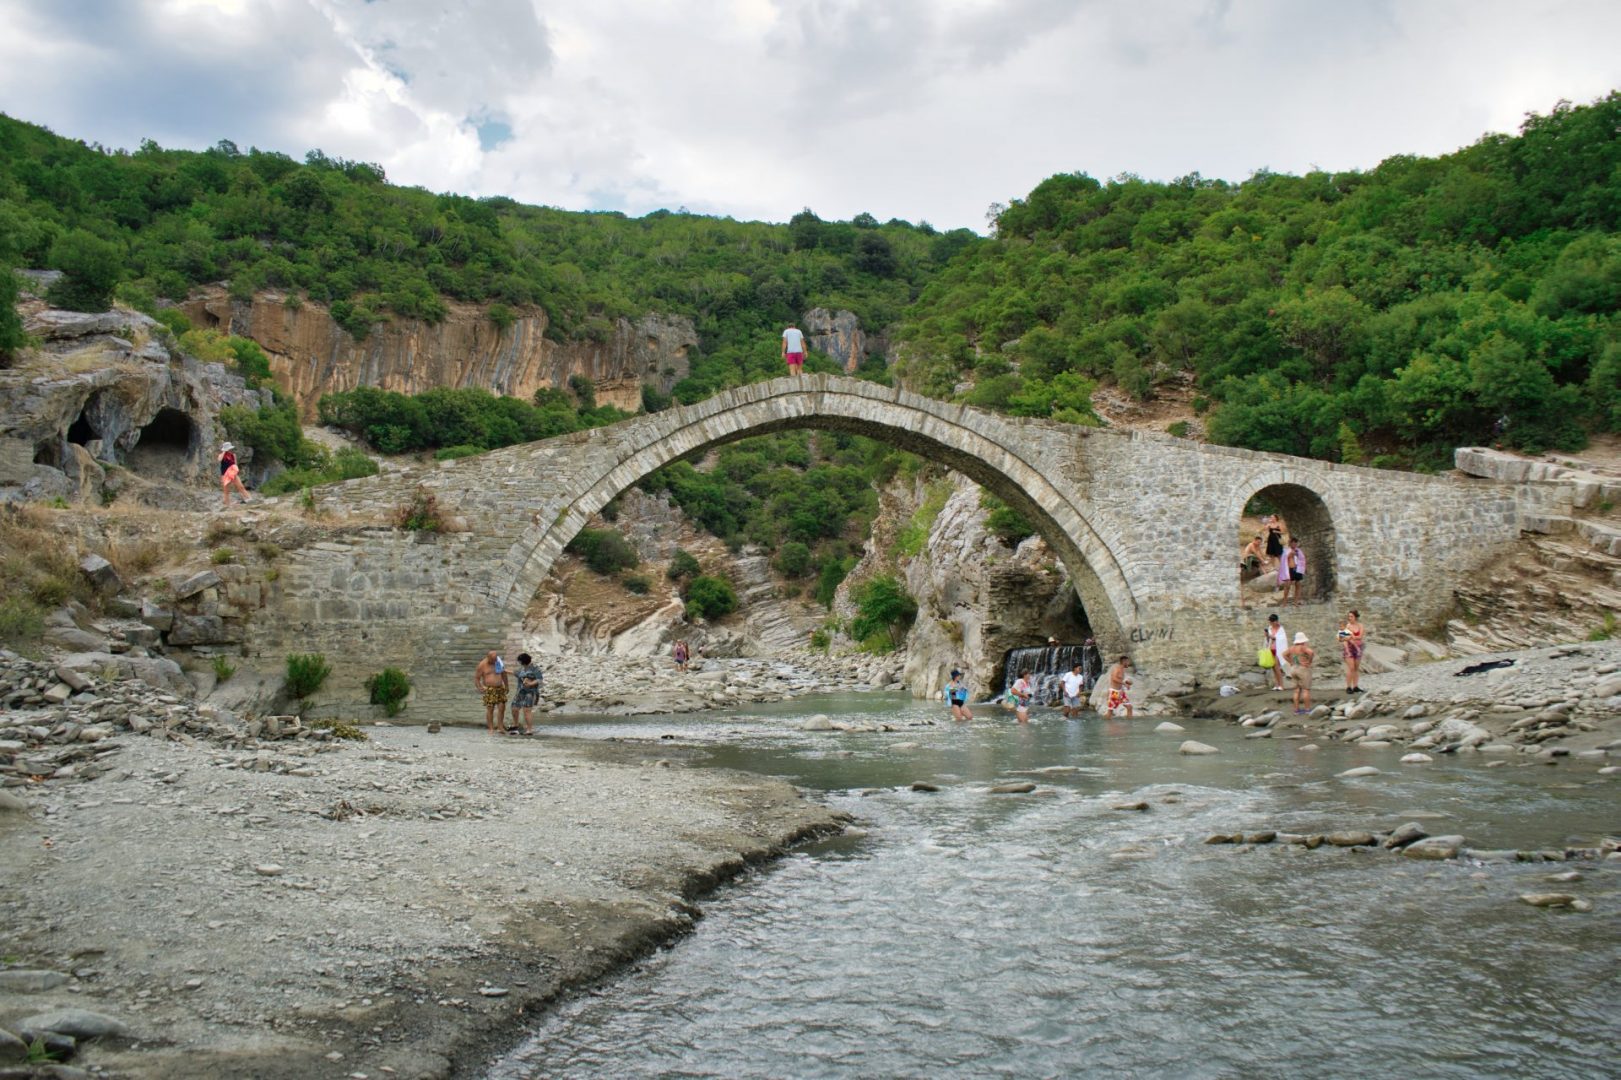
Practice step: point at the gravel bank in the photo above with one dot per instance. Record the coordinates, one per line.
(396, 907)
(1539, 706)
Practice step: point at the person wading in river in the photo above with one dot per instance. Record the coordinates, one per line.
(1074, 686)
(1019, 695)
(1119, 688)
(957, 697)
(491, 680)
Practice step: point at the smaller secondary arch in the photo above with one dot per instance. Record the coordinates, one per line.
(1307, 517)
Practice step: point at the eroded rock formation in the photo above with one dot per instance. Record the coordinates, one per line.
(312, 355)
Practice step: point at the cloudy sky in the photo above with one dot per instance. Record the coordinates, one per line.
(919, 109)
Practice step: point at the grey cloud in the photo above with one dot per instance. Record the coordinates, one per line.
(138, 75)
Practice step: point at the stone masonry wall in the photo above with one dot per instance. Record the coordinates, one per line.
(1146, 524)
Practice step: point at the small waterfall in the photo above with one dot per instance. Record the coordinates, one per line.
(1047, 664)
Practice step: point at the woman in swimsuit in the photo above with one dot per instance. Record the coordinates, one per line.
(1274, 536)
(230, 475)
(1351, 640)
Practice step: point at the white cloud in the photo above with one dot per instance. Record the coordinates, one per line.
(922, 109)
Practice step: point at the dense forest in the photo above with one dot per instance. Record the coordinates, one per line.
(1380, 317)
(154, 223)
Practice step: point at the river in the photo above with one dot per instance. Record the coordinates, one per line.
(959, 933)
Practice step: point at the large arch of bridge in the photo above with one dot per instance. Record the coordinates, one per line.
(979, 445)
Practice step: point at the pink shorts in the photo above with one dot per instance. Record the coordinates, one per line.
(794, 357)
(228, 475)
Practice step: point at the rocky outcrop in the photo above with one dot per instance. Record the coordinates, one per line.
(105, 390)
(839, 335)
(312, 355)
(976, 597)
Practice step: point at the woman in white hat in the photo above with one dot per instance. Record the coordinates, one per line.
(230, 475)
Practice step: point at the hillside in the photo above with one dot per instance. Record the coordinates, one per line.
(1381, 317)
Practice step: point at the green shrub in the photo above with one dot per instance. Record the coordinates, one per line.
(453, 453)
(821, 638)
(222, 556)
(305, 673)
(389, 688)
(223, 668)
(710, 597)
(22, 623)
(603, 550)
(1004, 522)
(12, 336)
(683, 565)
(793, 559)
(1179, 428)
(883, 609)
(421, 514)
(636, 583)
(91, 267)
(830, 577)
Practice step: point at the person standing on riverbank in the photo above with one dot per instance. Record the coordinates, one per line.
(1074, 686)
(1278, 641)
(1351, 641)
(793, 349)
(1300, 655)
(957, 697)
(490, 678)
(231, 476)
(1020, 695)
(1119, 688)
(681, 654)
(529, 680)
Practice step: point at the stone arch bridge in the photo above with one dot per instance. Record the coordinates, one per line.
(1146, 525)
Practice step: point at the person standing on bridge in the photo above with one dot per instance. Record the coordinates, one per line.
(793, 349)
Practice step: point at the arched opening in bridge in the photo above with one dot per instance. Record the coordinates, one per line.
(164, 445)
(1296, 513)
(1003, 462)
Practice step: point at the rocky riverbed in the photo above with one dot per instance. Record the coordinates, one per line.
(1535, 706)
(189, 895)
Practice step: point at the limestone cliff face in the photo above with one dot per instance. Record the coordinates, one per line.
(976, 597)
(312, 355)
(839, 335)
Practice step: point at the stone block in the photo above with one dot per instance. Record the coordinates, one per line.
(157, 618)
(185, 588)
(204, 630)
(103, 578)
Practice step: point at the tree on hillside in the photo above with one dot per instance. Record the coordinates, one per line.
(91, 267)
(12, 337)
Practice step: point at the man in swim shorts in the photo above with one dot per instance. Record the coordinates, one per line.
(491, 679)
(1074, 686)
(793, 350)
(1119, 687)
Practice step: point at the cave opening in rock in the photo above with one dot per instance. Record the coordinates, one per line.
(81, 431)
(164, 445)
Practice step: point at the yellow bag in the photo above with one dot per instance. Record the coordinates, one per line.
(1265, 658)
